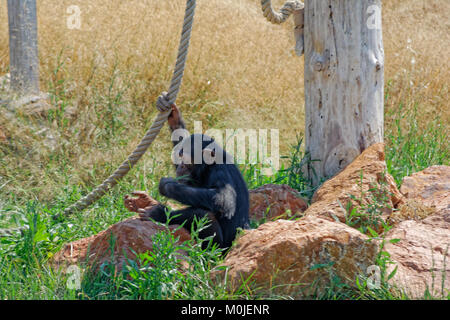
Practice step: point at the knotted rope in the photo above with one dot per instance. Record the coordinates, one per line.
(279, 17)
(294, 7)
(163, 104)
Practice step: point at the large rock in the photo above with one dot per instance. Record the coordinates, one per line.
(274, 201)
(423, 253)
(294, 254)
(331, 199)
(431, 187)
(130, 235)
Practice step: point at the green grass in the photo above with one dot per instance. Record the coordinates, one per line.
(290, 174)
(410, 147)
(26, 274)
(114, 95)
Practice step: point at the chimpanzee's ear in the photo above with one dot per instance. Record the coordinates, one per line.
(209, 156)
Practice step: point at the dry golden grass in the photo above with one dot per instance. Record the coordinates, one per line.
(241, 72)
(417, 47)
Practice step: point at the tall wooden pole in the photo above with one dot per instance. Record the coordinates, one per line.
(23, 46)
(344, 66)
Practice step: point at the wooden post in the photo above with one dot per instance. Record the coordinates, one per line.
(344, 66)
(23, 46)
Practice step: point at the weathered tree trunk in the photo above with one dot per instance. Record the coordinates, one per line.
(23, 46)
(344, 66)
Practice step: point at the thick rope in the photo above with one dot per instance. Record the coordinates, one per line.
(163, 104)
(293, 7)
(279, 17)
(165, 101)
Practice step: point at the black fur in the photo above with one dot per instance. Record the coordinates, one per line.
(216, 190)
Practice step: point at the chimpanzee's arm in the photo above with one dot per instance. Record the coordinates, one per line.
(196, 197)
(221, 200)
(176, 121)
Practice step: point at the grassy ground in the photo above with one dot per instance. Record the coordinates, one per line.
(103, 81)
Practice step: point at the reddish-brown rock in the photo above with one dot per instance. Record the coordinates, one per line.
(431, 187)
(273, 201)
(331, 198)
(130, 235)
(423, 253)
(290, 253)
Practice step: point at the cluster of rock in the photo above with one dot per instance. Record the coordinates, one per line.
(303, 256)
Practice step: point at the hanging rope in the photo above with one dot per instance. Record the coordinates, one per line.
(163, 104)
(165, 101)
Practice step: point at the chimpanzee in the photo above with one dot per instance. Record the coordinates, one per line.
(211, 186)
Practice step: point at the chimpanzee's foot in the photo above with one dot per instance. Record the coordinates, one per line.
(141, 201)
(157, 213)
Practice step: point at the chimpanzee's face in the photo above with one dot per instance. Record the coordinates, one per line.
(186, 167)
(191, 158)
